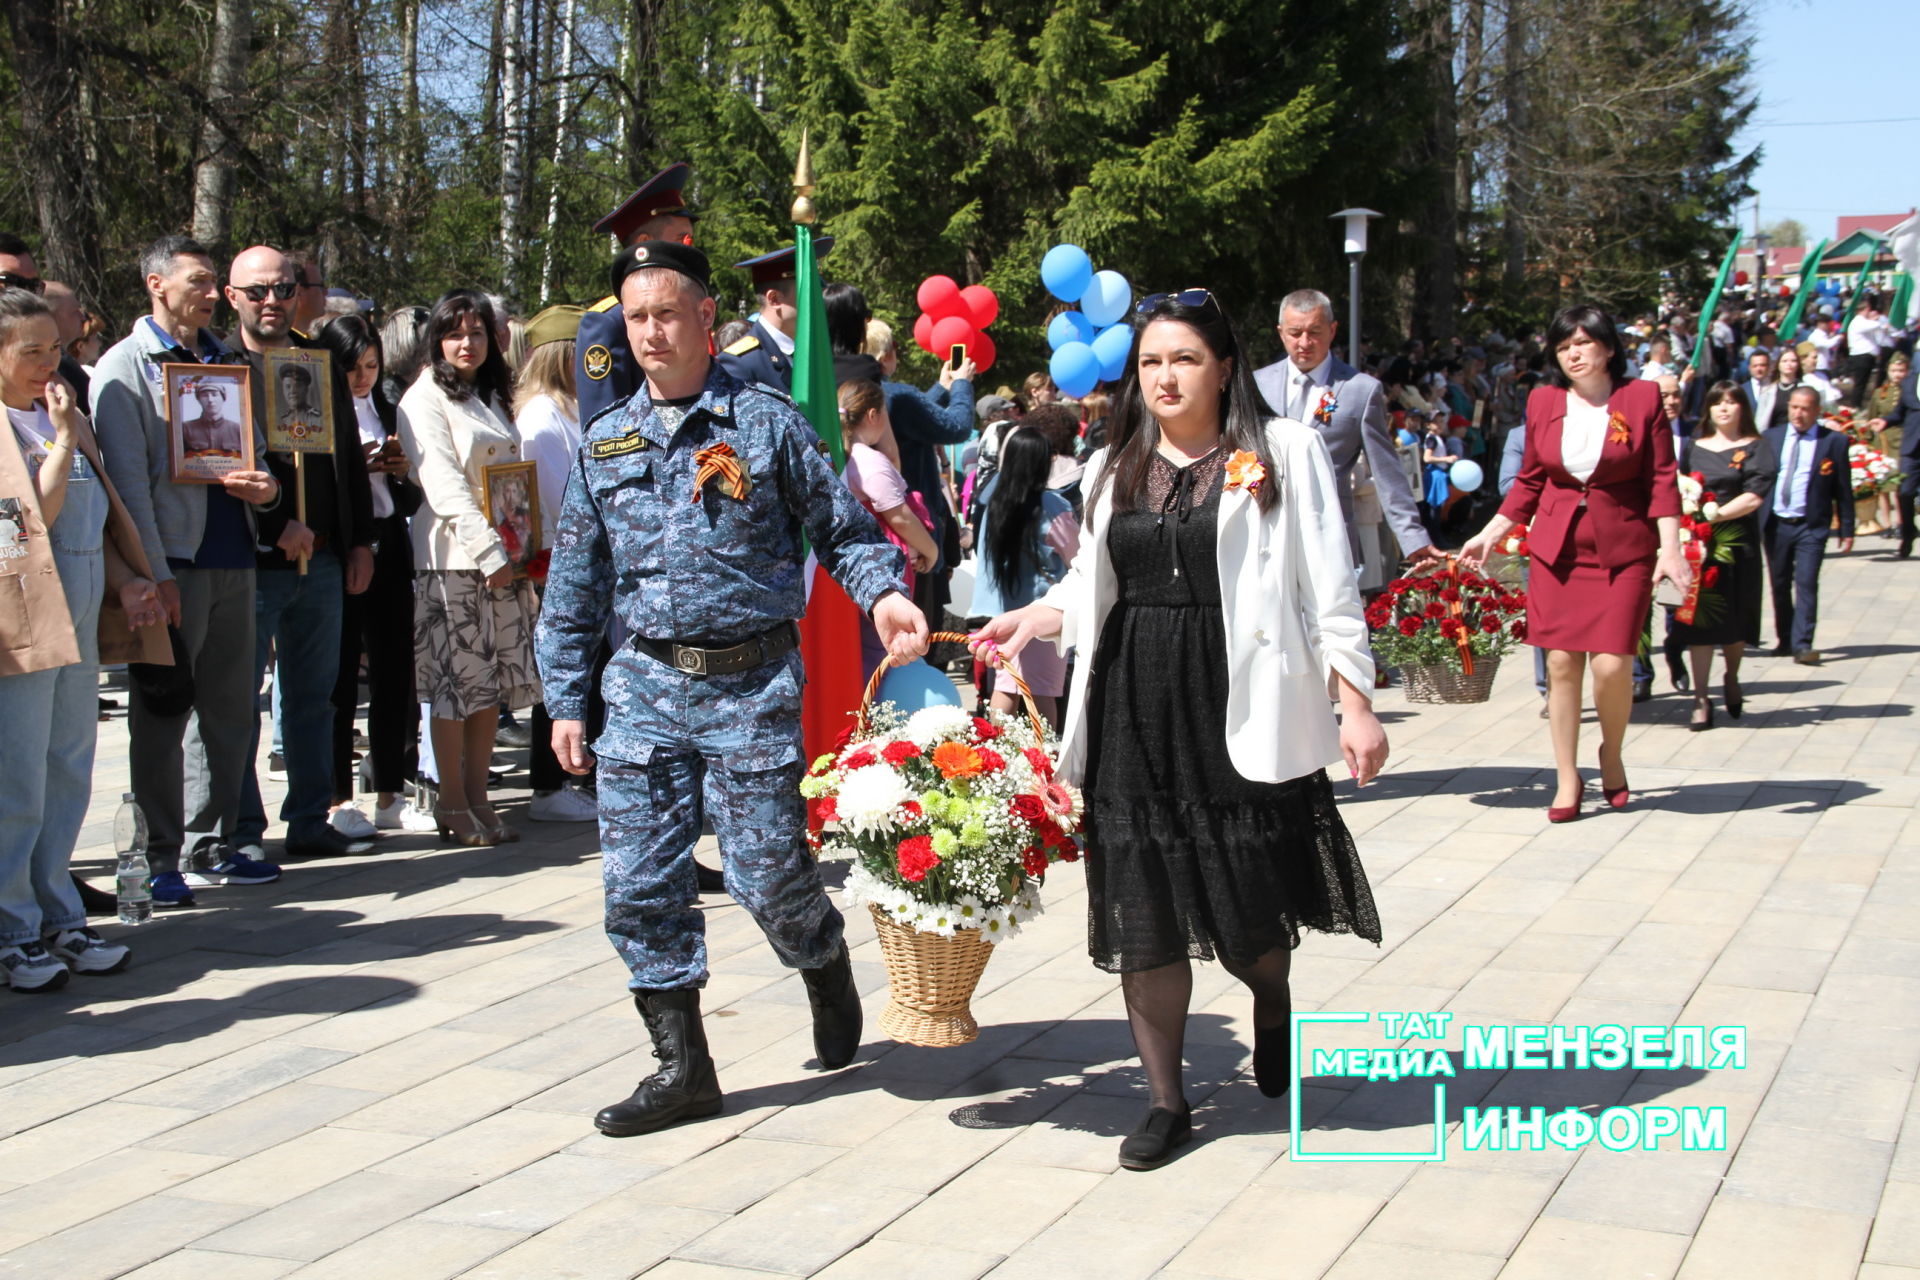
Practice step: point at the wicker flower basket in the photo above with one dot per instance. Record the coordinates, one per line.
(1439, 682)
(1866, 515)
(930, 983)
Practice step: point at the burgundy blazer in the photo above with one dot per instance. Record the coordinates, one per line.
(1632, 486)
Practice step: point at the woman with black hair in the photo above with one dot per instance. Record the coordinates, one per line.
(1214, 605)
(1597, 484)
(1028, 536)
(473, 620)
(379, 622)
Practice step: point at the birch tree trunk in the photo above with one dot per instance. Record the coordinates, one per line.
(512, 124)
(562, 117)
(219, 145)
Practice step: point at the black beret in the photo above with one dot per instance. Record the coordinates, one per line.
(685, 259)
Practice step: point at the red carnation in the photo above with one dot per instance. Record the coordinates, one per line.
(1033, 861)
(1710, 576)
(1038, 759)
(1068, 853)
(1519, 629)
(1451, 595)
(1409, 626)
(1030, 809)
(826, 809)
(1490, 625)
(984, 729)
(1435, 609)
(912, 809)
(898, 753)
(917, 857)
(991, 761)
(860, 759)
(1451, 628)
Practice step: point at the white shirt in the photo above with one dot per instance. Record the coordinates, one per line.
(1653, 370)
(1868, 335)
(1823, 344)
(372, 432)
(550, 438)
(1303, 389)
(35, 430)
(1582, 437)
(780, 340)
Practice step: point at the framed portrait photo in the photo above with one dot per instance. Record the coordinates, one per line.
(299, 410)
(209, 421)
(513, 505)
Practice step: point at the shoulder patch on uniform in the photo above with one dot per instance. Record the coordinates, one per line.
(597, 361)
(743, 346)
(605, 304)
(632, 442)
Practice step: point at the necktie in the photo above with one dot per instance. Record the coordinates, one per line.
(1298, 410)
(1785, 501)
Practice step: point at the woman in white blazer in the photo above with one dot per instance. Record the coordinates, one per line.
(1214, 607)
(473, 621)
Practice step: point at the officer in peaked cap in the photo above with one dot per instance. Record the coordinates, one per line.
(603, 369)
(766, 354)
(689, 515)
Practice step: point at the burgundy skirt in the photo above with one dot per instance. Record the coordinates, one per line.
(1581, 605)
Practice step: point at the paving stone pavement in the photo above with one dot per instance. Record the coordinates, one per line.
(387, 1066)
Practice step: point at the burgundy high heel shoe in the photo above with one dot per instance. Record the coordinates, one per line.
(1617, 797)
(1572, 811)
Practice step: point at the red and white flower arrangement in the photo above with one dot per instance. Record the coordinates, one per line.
(949, 819)
(1873, 471)
(1448, 616)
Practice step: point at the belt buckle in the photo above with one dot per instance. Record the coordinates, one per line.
(692, 661)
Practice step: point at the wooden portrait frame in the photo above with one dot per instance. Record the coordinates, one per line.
(504, 481)
(202, 460)
(315, 434)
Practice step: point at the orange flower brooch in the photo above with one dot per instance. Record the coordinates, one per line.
(1244, 471)
(1617, 432)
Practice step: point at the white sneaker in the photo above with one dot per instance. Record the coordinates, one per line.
(29, 966)
(402, 816)
(351, 823)
(568, 804)
(84, 951)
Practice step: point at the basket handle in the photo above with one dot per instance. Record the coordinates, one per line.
(1000, 663)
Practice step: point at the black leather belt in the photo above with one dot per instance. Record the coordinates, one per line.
(775, 642)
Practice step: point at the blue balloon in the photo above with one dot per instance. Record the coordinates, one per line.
(1113, 347)
(1466, 475)
(1068, 326)
(1075, 369)
(1107, 297)
(1065, 271)
(917, 686)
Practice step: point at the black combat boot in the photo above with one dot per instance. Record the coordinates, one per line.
(836, 1010)
(685, 1087)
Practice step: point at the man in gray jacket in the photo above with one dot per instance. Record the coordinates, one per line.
(200, 540)
(1347, 407)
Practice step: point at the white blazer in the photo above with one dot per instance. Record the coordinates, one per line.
(1291, 605)
(451, 443)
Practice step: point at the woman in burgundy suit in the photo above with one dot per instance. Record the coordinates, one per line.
(1597, 485)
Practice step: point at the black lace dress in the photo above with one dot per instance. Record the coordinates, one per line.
(1185, 858)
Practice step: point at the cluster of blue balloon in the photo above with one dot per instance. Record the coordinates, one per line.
(1091, 345)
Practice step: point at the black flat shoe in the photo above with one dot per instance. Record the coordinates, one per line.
(1735, 699)
(1273, 1057)
(1161, 1134)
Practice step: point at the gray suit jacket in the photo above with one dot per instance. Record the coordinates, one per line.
(1359, 418)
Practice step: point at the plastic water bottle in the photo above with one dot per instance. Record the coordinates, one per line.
(130, 843)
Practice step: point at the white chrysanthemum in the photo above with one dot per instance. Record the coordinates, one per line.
(931, 725)
(868, 798)
(998, 926)
(968, 911)
(939, 921)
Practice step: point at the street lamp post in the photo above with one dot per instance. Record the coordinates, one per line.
(1761, 242)
(1356, 229)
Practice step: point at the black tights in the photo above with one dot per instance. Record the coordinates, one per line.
(1157, 1001)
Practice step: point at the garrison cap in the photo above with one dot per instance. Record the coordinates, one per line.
(556, 324)
(772, 268)
(684, 258)
(663, 193)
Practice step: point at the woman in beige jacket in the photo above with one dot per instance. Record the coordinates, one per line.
(473, 620)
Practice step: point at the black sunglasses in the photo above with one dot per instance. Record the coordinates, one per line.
(258, 292)
(32, 284)
(1195, 297)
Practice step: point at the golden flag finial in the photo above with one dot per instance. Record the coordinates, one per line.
(803, 212)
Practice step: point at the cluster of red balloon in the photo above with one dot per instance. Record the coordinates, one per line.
(954, 317)
(1091, 345)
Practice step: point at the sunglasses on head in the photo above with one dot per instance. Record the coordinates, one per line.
(1195, 297)
(258, 292)
(32, 284)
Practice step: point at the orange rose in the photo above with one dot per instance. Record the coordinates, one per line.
(957, 760)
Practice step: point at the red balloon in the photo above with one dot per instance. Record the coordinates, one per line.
(951, 332)
(1739, 278)
(923, 333)
(983, 351)
(939, 295)
(981, 305)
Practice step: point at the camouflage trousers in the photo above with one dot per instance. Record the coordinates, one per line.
(727, 749)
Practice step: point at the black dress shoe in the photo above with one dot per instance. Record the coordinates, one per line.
(1681, 680)
(1643, 691)
(1906, 548)
(710, 881)
(685, 1087)
(1780, 651)
(327, 843)
(1273, 1057)
(837, 1017)
(1161, 1134)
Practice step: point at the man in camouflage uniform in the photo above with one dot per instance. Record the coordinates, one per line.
(685, 512)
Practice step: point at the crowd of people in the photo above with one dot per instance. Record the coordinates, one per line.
(498, 523)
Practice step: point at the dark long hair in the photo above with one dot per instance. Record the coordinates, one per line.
(1599, 326)
(495, 380)
(847, 316)
(349, 338)
(1013, 513)
(1132, 431)
(1724, 390)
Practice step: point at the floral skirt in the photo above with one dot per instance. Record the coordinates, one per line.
(473, 644)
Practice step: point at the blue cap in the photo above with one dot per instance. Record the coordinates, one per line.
(771, 268)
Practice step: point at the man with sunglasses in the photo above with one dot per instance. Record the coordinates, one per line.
(298, 613)
(199, 539)
(1347, 407)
